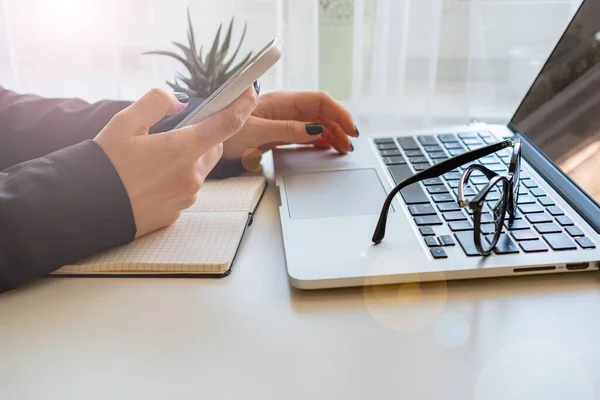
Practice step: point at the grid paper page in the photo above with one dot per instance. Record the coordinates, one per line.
(196, 243)
(233, 194)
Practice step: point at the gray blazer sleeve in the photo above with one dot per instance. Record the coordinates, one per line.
(60, 197)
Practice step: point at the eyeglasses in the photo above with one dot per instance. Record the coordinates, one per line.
(499, 195)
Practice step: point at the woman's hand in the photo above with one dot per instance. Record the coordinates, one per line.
(162, 173)
(293, 117)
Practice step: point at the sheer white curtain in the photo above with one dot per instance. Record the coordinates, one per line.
(92, 48)
(392, 62)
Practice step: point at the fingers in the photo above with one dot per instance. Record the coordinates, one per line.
(337, 137)
(209, 160)
(268, 133)
(307, 106)
(217, 128)
(150, 109)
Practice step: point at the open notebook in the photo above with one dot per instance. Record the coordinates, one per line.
(204, 241)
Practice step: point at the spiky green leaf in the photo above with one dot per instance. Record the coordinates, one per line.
(170, 54)
(232, 59)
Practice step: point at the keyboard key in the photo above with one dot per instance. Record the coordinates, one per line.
(453, 145)
(517, 215)
(384, 140)
(454, 216)
(438, 189)
(387, 146)
(529, 184)
(413, 153)
(525, 234)
(438, 155)
(432, 182)
(432, 241)
(559, 241)
(426, 231)
(574, 231)
(432, 149)
(428, 220)
(585, 243)
(446, 240)
(469, 135)
(472, 141)
(491, 196)
(555, 211)
(486, 218)
(408, 143)
(427, 140)
(505, 245)
(546, 201)
(564, 221)
(443, 198)
(530, 208)
(487, 229)
(466, 242)
(421, 209)
(500, 168)
(457, 226)
(453, 184)
(452, 176)
(419, 160)
(456, 152)
(448, 207)
(526, 199)
(412, 194)
(438, 252)
(524, 176)
(538, 218)
(395, 160)
(388, 153)
(469, 192)
(533, 246)
(516, 225)
(421, 167)
(537, 192)
(548, 228)
(448, 137)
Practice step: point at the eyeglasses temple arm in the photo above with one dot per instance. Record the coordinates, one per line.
(433, 172)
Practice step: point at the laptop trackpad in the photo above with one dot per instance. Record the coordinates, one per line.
(334, 193)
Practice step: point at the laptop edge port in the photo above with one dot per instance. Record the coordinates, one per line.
(577, 266)
(534, 269)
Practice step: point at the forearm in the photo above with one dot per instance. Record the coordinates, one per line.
(58, 209)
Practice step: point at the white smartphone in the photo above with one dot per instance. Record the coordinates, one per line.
(245, 77)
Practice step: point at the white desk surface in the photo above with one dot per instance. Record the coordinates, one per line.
(251, 336)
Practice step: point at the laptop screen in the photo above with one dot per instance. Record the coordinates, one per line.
(561, 111)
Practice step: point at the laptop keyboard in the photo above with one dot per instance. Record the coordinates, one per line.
(539, 225)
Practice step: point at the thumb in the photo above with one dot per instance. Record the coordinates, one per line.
(218, 127)
(150, 109)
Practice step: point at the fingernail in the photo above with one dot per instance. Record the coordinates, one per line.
(357, 132)
(182, 97)
(257, 87)
(314, 129)
(351, 148)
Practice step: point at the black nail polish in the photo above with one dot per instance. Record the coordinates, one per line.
(257, 87)
(357, 132)
(182, 97)
(351, 148)
(314, 129)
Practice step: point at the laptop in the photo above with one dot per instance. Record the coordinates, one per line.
(330, 205)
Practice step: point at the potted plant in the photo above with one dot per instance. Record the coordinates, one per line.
(206, 74)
